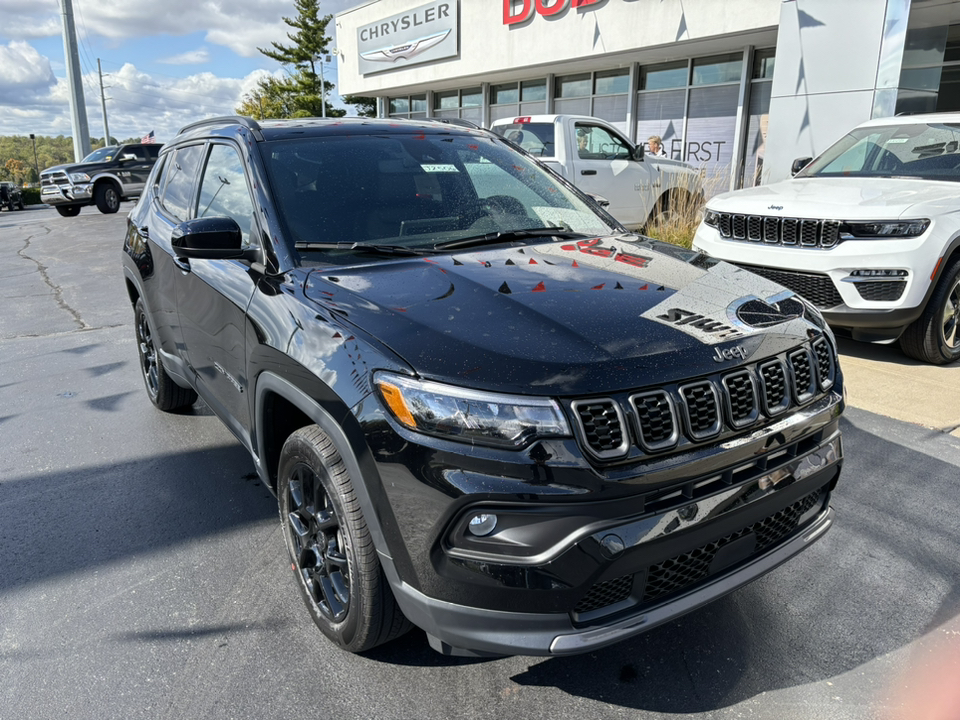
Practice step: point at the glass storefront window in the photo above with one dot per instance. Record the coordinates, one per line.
(763, 61)
(663, 77)
(612, 82)
(573, 85)
(399, 105)
(500, 94)
(446, 100)
(471, 98)
(533, 90)
(717, 69)
(418, 103)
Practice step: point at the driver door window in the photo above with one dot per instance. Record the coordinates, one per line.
(223, 190)
(597, 143)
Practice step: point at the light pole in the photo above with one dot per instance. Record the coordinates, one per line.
(36, 163)
(323, 88)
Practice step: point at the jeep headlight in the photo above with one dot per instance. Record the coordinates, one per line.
(711, 218)
(882, 229)
(79, 177)
(473, 416)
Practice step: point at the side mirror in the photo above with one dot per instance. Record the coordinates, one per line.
(799, 164)
(637, 152)
(599, 200)
(211, 238)
(128, 156)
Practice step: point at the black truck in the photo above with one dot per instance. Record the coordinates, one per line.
(11, 196)
(485, 408)
(103, 178)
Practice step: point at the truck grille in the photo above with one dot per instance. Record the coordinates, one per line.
(703, 409)
(818, 289)
(55, 178)
(801, 232)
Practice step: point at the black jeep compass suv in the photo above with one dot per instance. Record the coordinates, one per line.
(485, 409)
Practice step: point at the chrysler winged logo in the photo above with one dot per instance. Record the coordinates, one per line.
(405, 50)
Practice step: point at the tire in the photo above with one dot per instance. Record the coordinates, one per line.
(934, 337)
(162, 390)
(332, 553)
(20, 204)
(68, 210)
(107, 198)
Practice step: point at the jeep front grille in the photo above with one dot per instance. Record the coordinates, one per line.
(773, 230)
(703, 409)
(605, 593)
(818, 289)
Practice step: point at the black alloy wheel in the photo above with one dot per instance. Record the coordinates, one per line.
(331, 551)
(107, 198)
(161, 389)
(316, 535)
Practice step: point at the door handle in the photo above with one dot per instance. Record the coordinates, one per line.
(588, 172)
(182, 263)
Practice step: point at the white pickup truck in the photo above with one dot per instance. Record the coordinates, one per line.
(598, 159)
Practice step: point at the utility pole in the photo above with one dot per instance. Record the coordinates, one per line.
(78, 110)
(103, 107)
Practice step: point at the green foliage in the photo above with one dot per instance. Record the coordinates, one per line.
(303, 93)
(365, 106)
(31, 196)
(50, 151)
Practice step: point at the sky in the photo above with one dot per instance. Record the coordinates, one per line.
(165, 63)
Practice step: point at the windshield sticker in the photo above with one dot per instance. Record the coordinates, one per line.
(439, 168)
(896, 141)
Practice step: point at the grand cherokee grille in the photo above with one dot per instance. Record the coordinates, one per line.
(605, 593)
(818, 289)
(802, 232)
(704, 409)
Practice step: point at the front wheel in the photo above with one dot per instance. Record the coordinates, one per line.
(68, 210)
(934, 337)
(332, 553)
(20, 204)
(107, 198)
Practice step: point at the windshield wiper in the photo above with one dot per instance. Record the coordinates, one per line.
(364, 247)
(495, 238)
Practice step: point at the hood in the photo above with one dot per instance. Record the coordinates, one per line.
(566, 318)
(81, 167)
(853, 198)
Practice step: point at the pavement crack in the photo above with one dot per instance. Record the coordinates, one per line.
(57, 290)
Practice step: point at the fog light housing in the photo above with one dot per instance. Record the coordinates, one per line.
(482, 524)
(878, 273)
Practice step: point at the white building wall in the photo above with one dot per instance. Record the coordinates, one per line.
(832, 59)
(593, 37)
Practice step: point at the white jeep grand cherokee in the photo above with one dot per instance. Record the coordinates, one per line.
(869, 232)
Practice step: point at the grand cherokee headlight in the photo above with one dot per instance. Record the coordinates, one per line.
(473, 416)
(79, 177)
(884, 229)
(711, 218)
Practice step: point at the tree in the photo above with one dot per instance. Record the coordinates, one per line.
(365, 106)
(303, 93)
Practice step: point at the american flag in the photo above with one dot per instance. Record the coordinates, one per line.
(148, 138)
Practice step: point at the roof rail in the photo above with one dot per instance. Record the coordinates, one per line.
(453, 121)
(247, 122)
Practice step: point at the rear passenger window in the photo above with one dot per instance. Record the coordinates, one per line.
(179, 181)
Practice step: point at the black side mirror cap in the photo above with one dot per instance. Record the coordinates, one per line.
(211, 238)
(799, 164)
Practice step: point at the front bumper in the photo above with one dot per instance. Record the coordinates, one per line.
(878, 308)
(67, 194)
(461, 630)
(604, 570)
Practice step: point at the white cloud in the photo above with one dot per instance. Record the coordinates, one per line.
(24, 73)
(193, 57)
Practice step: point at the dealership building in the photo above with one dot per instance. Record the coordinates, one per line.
(738, 87)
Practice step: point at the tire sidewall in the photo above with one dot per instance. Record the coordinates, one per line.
(107, 198)
(296, 451)
(938, 304)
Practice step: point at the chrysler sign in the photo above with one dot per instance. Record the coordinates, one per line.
(420, 35)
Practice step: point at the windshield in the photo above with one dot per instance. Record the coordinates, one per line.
(104, 154)
(416, 191)
(907, 150)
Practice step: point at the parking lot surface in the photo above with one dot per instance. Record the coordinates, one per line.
(142, 571)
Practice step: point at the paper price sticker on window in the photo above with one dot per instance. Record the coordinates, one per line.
(439, 168)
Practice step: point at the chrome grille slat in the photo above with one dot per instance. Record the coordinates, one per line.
(661, 419)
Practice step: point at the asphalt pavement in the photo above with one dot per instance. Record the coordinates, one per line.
(143, 575)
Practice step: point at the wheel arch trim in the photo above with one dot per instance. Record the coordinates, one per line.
(271, 382)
